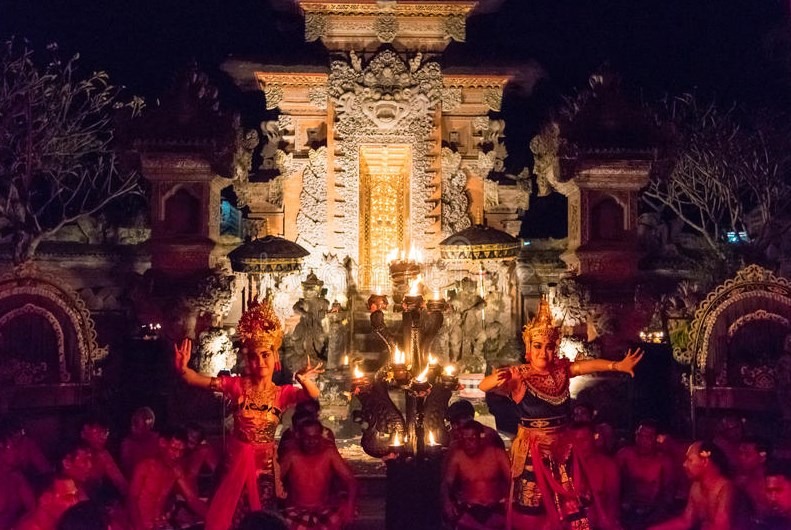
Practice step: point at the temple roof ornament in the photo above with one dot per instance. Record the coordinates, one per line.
(480, 242)
(364, 24)
(605, 121)
(267, 255)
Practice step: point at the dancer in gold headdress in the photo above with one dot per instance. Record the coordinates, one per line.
(545, 491)
(251, 479)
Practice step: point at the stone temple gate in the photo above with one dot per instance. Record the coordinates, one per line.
(386, 149)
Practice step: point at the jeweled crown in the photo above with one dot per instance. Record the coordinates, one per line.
(259, 325)
(542, 324)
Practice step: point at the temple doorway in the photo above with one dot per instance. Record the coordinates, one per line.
(384, 209)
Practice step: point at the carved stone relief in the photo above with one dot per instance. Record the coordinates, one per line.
(274, 95)
(386, 27)
(389, 102)
(490, 195)
(493, 97)
(312, 216)
(455, 201)
(451, 99)
(317, 95)
(456, 27)
(315, 26)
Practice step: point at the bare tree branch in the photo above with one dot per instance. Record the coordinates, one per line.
(730, 172)
(57, 160)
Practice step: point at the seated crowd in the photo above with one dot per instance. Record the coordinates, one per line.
(163, 477)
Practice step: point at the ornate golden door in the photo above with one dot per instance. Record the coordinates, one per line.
(384, 209)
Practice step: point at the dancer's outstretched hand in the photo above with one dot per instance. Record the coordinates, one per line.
(627, 364)
(181, 355)
(308, 371)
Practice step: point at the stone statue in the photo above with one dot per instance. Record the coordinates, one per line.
(377, 304)
(336, 345)
(310, 335)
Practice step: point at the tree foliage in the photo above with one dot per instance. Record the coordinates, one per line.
(57, 140)
(729, 171)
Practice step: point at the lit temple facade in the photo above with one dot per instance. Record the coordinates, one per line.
(384, 150)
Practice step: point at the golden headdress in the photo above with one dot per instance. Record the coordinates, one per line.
(259, 325)
(542, 324)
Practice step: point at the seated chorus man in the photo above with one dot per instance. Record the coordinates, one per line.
(778, 494)
(156, 479)
(104, 469)
(476, 481)
(59, 496)
(750, 475)
(142, 441)
(462, 412)
(602, 477)
(714, 502)
(646, 478)
(308, 473)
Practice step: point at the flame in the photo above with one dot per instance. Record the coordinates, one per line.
(414, 285)
(395, 441)
(415, 254)
(345, 360)
(450, 369)
(358, 374)
(431, 439)
(423, 377)
(399, 357)
(432, 359)
(392, 256)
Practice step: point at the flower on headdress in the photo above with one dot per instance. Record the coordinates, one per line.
(705, 454)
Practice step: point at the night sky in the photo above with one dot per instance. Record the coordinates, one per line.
(738, 49)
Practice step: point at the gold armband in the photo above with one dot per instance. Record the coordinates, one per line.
(612, 367)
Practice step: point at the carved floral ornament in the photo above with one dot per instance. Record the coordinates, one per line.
(753, 282)
(756, 316)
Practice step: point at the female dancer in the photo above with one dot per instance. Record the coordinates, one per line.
(545, 490)
(252, 467)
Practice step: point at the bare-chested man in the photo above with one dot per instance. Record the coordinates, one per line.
(750, 473)
(155, 479)
(77, 465)
(307, 410)
(714, 502)
(475, 483)
(778, 492)
(104, 470)
(729, 436)
(201, 459)
(602, 477)
(142, 441)
(646, 478)
(462, 412)
(308, 473)
(57, 497)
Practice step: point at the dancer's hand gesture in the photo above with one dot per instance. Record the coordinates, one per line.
(504, 375)
(627, 364)
(181, 355)
(308, 372)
